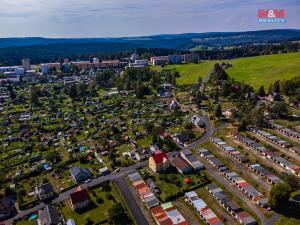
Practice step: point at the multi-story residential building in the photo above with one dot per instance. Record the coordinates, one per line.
(56, 66)
(159, 162)
(134, 57)
(44, 68)
(109, 64)
(49, 216)
(139, 63)
(83, 65)
(96, 60)
(26, 64)
(190, 58)
(16, 70)
(45, 191)
(79, 199)
(174, 59)
(159, 60)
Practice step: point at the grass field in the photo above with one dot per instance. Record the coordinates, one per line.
(190, 72)
(287, 221)
(264, 70)
(98, 214)
(256, 71)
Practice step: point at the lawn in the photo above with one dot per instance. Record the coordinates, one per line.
(26, 222)
(98, 214)
(190, 72)
(287, 221)
(256, 71)
(264, 70)
(176, 184)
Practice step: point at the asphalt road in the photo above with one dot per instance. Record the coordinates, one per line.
(134, 207)
(209, 130)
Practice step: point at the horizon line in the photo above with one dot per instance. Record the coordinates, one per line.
(149, 35)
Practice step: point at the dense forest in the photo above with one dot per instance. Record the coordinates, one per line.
(57, 52)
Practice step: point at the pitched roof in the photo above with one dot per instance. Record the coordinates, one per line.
(46, 188)
(5, 207)
(79, 171)
(79, 196)
(49, 216)
(180, 163)
(160, 157)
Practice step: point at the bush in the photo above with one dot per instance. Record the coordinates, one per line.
(110, 197)
(99, 200)
(280, 195)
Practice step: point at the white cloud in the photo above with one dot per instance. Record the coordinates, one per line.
(87, 18)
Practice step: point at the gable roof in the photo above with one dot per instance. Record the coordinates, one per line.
(79, 171)
(79, 196)
(159, 157)
(179, 163)
(46, 188)
(49, 216)
(5, 207)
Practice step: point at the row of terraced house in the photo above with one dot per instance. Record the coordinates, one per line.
(164, 214)
(202, 209)
(214, 161)
(285, 131)
(241, 184)
(264, 173)
(232, 151)
(271, 137)
(290, 167)
(231, 206)
(144, 191)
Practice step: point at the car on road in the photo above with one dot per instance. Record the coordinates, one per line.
(117, 170)
(88, 181)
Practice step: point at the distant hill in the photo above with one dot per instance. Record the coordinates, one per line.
(41, 53)
(38, 49)
(171, 41)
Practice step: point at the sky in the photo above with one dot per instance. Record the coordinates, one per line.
(123, 18)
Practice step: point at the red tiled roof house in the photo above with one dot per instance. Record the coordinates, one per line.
(159, 162)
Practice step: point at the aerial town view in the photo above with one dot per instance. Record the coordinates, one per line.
(162, 112)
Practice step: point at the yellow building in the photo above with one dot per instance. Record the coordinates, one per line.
(159, 162)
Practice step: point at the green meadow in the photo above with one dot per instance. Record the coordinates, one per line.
(264, 70)
(256, 71)
(189, 72)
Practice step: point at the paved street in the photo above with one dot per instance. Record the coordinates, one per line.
(134, 208)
